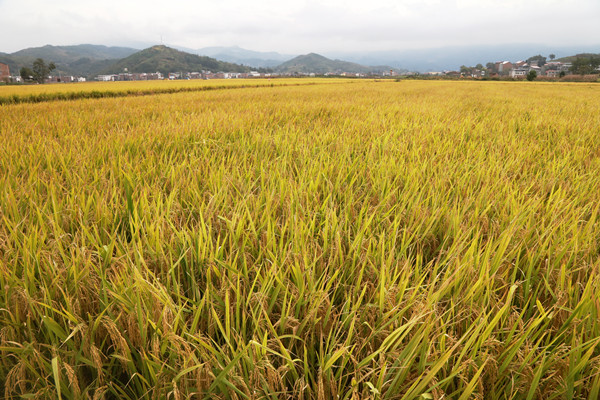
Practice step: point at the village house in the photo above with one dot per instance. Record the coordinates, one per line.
(107, 78)
(65, 79)
(156, 76)
(504, 67)
(553, 73)
(558, 66)
(520, 72)
(476, 73)
(516, 70)
(4, 72)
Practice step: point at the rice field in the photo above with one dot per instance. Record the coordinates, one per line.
(15, 94)
(359, 240)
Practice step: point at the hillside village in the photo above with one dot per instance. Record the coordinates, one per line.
(203, 74)
(126, 76)
(7, 77)
(520, 69)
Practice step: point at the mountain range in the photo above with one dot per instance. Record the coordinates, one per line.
(421, 60)
(90, 60)
(318, 64)
(238, 55)
(166, 59)
(82, 60)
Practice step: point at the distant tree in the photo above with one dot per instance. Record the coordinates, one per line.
(538, 60)
(585, 65)
(479, 66)
(26, 74)
(578, 66)
(531, 75)
(552, 56)
(562, 73)
(41, 70)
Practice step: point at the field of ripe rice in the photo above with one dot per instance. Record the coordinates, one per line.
(363, 240)
(15, 94)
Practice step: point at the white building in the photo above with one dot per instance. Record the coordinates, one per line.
(105, 78)
(519, 72)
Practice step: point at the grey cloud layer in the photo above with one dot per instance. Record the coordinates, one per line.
(299, 26)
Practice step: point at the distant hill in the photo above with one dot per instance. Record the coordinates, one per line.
(239, 55)
(83, 59)
(165, 59)
(70, 54)
(576, 56)
(315, 63)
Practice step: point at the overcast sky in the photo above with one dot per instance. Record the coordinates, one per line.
(299, 26)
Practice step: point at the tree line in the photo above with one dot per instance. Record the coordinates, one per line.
(585, 65)
(39, 71)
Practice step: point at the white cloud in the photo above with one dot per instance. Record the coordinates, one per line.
(299, 26)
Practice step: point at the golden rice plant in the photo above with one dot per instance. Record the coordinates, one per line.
(364, 240)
